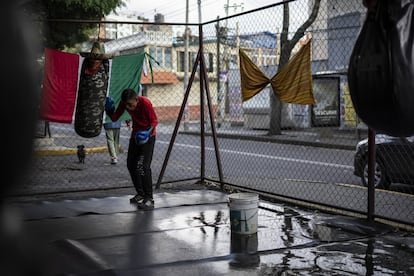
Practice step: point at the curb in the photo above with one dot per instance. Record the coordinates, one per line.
(276, 140)
(66, 151)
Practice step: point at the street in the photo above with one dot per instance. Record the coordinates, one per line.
(312, 174)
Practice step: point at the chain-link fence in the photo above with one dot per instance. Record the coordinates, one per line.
(316, 155)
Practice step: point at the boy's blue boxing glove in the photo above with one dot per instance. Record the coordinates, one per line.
(109, 105)
(142, 137)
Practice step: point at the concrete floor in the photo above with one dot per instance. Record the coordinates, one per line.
(189, 233)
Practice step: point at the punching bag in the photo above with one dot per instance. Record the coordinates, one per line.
(92, 90)
(381, 68)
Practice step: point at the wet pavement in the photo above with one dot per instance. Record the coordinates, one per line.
(189, 233)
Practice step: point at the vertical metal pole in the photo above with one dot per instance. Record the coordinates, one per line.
(199, 11)
(218, 74)
(186, 66)
(202, 136)
(213, 128)
(177, 124)
(371, 174)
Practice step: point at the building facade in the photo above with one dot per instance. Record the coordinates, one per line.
(167, 87)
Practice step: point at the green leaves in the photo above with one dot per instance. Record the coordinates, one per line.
(62, 26)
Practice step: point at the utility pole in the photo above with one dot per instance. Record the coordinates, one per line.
(186, 38)
(199, 11)
(223, 86)
(219, 92)
(206, 113)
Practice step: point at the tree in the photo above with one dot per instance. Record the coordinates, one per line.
(286, 46)
(64, 23)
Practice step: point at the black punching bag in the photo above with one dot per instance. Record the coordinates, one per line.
(92, 90)
(381, 69)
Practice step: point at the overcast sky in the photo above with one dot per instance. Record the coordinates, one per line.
(174, 10)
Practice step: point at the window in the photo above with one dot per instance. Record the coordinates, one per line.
(208, 57)
(191, 59)
(180, 61)
(152, 52)
(167, 57)
(158, 55)
(161, 55)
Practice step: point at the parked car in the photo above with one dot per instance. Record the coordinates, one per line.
(394, 160)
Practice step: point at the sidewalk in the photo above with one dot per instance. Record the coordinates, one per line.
(329, 137)
(189, 233)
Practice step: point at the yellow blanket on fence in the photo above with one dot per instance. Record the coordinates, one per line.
(292, 84)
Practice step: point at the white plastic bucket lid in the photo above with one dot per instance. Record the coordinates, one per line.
(244, 198)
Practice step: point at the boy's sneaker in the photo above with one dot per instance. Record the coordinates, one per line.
(137, 199)
(147, 204)
(114, 160)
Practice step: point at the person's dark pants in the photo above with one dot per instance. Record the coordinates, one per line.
(139, 166)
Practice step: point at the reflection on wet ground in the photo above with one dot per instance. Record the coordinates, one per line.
(295, 242)
(189, 233)
(336, 246)
(358, 257)
(243, 250)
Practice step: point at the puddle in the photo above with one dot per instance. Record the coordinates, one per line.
(367, 257)
(324, 233)
(290, 242)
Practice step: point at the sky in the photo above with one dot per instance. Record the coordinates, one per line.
(174, 10)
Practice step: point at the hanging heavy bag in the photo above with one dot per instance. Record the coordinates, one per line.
(381, 68)
(92, 90)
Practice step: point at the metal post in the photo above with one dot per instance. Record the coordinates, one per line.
(186, 42)
(213, 128)
(202, 136)
(371, 174)
(218, 34)
(177, 124)
(199, 11)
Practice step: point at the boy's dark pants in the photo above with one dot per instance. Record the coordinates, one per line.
(139, 166)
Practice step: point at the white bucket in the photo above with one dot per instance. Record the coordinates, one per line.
(243, 213)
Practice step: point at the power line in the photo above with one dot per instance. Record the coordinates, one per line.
(170, 8)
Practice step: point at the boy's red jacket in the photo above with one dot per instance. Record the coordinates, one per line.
(143, 116)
